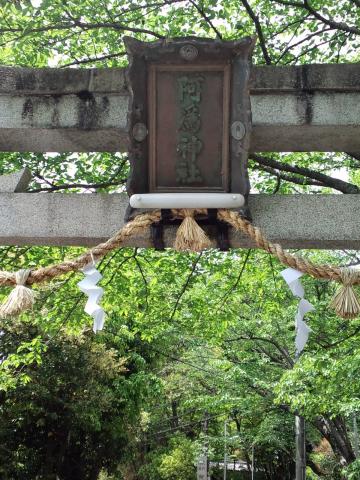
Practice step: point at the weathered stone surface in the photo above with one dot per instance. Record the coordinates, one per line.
(317, 121)
(15, 182)
(303, 108)
(306, 78)
(316, 109)
(61, 81)
(45, 81)
(92, 111)
(61, 140)
(295, 221)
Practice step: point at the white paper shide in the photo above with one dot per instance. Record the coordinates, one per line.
(89, 286)
(292, 278)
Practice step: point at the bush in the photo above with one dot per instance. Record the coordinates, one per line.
(352, 472)
(178, 463)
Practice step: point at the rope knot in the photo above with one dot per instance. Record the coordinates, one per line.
(188, 212)
(345, 301)
(21, 276)
(189, 235)
(21, 298)
(348, 276)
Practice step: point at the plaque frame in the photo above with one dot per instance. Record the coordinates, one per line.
(189, 54)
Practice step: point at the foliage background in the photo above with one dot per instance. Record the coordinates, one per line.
(191, 340)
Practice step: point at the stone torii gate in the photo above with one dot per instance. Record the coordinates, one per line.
(302, 108)
(305, 108)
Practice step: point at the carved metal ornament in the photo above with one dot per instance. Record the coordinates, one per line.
(238, 130)
(189, 52)
(140, 132)
(191, 96)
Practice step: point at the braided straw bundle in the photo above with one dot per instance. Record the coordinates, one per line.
(20, 299)
(189, 236)
(345, 302)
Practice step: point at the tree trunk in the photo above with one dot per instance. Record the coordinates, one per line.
(335, 432)
(174, 421)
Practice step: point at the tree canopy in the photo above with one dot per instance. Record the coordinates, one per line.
(191, 340)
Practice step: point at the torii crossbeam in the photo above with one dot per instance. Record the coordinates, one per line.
(305, 108)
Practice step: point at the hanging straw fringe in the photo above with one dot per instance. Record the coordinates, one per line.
(190, 236)
(20, 299)
(345, 301)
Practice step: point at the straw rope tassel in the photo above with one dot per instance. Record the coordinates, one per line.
(345, 301)
(21, 297)
(190, 236)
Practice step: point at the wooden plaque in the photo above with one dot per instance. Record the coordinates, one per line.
(188, 128)
(190, 118)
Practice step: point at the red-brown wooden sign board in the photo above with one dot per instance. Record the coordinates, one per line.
(190, 118)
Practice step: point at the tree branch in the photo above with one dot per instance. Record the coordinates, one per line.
(186, 284)
(315, 47)
(324, 179)
(233, 287)
(84, 26)
(259, 31)
(339, 342)
(206, 18)
(332, 23)
(144, 279)
(355, 155)
(328, 21)
(303, 40)
(271, 341)
(289, 178)
(55, 188)
(93, 59)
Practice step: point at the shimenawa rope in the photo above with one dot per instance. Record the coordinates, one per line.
(189, 236)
